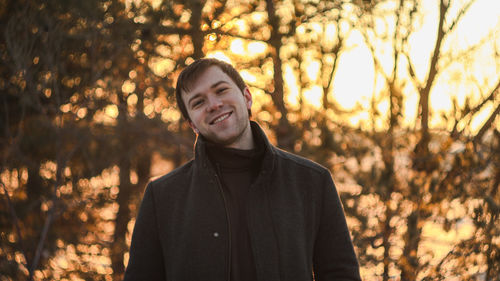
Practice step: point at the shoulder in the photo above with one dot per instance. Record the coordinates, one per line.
(177, 175)
(291, 160)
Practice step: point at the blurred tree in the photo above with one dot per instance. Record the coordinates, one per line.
(40, 135)
(70, 119)
(409, 197)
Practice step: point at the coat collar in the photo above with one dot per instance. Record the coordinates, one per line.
(201, 159)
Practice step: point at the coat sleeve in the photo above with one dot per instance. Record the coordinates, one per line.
(334, 257)
(146, 258)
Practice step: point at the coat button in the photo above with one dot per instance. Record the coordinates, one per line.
(216, 234)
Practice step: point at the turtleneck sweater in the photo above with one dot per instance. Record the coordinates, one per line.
(237, 170)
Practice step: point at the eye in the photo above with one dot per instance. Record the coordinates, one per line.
(221, 90)
(196, 103)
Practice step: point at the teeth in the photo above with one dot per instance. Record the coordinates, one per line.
(222, 118)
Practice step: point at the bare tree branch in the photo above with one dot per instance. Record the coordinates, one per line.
(461, 13)
(490, 97)
(487, 125)
(451, 58)
(221, 32)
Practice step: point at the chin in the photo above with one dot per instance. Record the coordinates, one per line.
(225, 141)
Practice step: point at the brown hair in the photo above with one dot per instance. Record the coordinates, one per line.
(191, 73)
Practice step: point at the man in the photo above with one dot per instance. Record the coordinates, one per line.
(241, 210)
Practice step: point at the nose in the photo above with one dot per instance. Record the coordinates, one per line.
(214, 103)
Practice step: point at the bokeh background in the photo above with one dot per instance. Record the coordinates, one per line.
(398, 98)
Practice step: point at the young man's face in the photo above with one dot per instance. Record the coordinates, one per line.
(219, 110)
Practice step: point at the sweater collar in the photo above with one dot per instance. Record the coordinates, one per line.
(231, 158)
(202, 158)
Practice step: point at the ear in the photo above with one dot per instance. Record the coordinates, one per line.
(248, 98)
(195, 130)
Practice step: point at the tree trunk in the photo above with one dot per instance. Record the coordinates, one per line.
(197, 35)
(421, 160)
(123, 199)
(121, 220)
(410, 263)
(284, 132)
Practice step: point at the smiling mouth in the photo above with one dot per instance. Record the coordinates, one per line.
(221, 118)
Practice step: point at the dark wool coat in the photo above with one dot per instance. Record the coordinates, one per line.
(295, 220)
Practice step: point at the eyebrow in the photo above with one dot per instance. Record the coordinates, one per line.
(214, 85)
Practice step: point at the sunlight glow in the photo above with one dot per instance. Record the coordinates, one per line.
(313, 96)
(292, 96)
(257, 48)
(383, 106)
(248, 77)
(237, 47)
(313, 69)
(241, 25)
(480, 118)
(410, 109)
(212, 37)
(81, 113)
(111, 111)
(316, 27)
(220, 56)
(354, 80)
(258, 17)
(241, 48)
(161, 67)
(170, 115)
(128, 87)
(440, 242)
(301, 29)
(331, 33)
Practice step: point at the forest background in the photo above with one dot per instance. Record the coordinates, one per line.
(399, 99)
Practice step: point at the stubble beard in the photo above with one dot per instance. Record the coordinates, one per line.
(227, 142)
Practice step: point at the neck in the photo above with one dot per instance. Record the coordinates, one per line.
(235, 158)
(245, 142)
